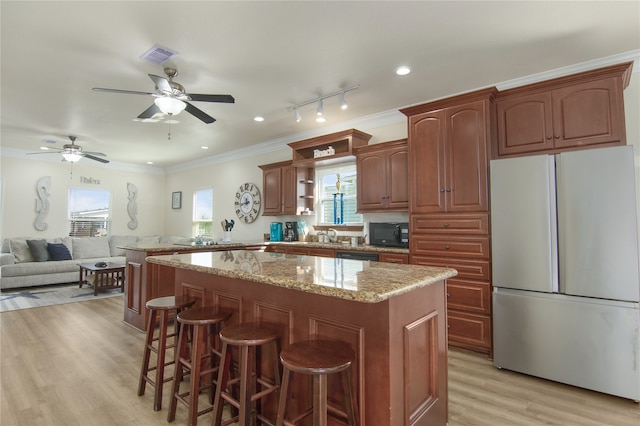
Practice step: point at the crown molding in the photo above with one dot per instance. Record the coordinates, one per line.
(633, 55)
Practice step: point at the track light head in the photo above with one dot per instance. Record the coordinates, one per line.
(297, 115)
(320, 109)
(343, 102)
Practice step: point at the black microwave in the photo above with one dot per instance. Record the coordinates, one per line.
(389, 234)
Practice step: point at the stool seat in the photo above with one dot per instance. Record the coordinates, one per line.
(162, 306)
(203, 316)
(203, 362)
(251, 383)
(248, 334)
(170, 302)
(319, 358)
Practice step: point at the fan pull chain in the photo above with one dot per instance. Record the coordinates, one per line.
(169, 134)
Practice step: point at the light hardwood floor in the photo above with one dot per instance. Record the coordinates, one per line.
(78, 364)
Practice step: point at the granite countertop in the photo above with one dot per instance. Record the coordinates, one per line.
(362, 281)
(160, 247)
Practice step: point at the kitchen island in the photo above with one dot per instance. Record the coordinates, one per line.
(145, 282)
(394, 317)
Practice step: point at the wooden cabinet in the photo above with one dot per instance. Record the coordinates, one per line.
(449, 155)
(449, 147)
(572, 112)
(382, 177)
(287, 190)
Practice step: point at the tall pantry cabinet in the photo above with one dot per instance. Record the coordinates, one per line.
(449, 148)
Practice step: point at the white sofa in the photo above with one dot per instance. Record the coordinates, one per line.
(18, 268)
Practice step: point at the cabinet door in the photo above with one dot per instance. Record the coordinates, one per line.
(371, 181)
(524, 124)
(289, 190)
(322, 252)
(272, 187)
(397, 180)
(426, 162)
(466, 153)
(588, 113)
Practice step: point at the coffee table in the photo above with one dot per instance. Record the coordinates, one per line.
(102, 278)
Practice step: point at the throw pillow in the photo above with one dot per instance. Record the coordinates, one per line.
(38, 250)
(20, 251)
(90, 247)
(58, 252)
(116, 241)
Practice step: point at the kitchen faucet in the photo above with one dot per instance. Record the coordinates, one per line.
(334, 238)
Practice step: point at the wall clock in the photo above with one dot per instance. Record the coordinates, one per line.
(248, 202)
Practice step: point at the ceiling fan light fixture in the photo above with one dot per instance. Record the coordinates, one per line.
(168, 105)
(72, 157)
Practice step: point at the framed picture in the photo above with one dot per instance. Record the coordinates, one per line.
(176, 200)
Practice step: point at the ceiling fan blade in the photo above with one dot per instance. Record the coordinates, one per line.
(126, 92)
(161, 83)
(212, 98)
(150, 112)
(102, 160)
(101, 154)
(198, 113)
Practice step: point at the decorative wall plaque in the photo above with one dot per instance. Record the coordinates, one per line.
(132, 206)
(42, 202)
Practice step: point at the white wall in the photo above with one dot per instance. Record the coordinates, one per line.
(19, 178)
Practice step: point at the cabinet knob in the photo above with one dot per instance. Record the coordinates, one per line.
(447, 247)
(448, 190)
(447, 294)
(446, 225)
(557, 136)
(442, 190)
(548, 137)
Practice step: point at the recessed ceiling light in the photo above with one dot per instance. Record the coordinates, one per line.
(204, 147)
(403, 70)
(258, 118)
(321, 119)
(44, 148)
(149, 162)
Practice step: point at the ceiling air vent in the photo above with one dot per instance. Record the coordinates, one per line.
(158, 54)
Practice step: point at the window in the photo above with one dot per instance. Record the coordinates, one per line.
(203, 213)
(327, 179)
(89, 212)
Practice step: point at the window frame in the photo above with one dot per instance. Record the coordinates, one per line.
(196, 223)
(89, 225)
(343, 169)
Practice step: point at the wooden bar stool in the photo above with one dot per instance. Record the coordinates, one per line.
(203, 325)
(319, 358)
(249, 338)
(163, 306)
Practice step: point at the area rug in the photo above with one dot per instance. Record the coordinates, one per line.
(34, 297)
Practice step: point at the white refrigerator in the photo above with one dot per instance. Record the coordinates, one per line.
(565, 268)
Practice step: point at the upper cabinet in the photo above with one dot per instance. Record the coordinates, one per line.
(327, 148)
(382, 177)
(449, 154)
(287, 190)
(571, 112)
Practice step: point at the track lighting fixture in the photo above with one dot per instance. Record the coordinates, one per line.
(320, 101)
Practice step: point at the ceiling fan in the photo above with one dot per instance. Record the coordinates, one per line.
(73, 153)
(171, 98)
